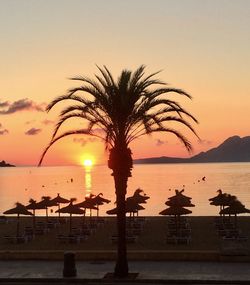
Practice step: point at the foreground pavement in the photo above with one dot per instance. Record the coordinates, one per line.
(150, 272)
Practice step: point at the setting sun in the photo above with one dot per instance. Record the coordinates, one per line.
(87, 162)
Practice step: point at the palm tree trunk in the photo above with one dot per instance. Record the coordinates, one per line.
(120, 161)
(121, 267)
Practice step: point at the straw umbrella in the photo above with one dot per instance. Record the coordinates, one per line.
(20, 209)
(59, 200)
(179, 200)
(99, 200)
(175, 211)
(141, 199)
(131, 207)
(181, 203)
(45, 203)
(235, 208)
(88, 203)
(71, 210)
(33, 205)
(222, 200)
(180, 195)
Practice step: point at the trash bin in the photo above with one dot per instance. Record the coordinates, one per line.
(69, 269)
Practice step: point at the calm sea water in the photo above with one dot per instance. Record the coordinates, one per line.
(158, 181)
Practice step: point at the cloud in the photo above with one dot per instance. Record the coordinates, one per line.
(47, 122)
(4, 104)
(83, 141)
(205, 142)
(3, 131)
(160, 142)
(33, 132)
(20, 105)
(29, 122)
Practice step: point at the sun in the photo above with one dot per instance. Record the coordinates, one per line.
(88, 162)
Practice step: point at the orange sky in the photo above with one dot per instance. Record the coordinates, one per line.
(201, 46)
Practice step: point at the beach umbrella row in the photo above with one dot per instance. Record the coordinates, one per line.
(47, 202)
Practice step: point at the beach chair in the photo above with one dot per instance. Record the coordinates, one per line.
(129, 239)
(183, 239)
(29, 233)
(171, 239)
(16, 239)
(68, 238)
(3, 220)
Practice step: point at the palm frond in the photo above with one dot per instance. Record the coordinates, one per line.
(126, 109)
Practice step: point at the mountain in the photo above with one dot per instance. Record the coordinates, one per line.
(233, 149)
(4, 164)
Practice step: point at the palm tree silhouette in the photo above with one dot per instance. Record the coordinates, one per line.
(118, 112)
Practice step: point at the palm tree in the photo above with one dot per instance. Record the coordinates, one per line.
(118, 112)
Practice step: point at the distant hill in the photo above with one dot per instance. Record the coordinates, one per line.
(5, 164)
(233, 149)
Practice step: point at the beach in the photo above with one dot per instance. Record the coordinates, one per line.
(205, 244)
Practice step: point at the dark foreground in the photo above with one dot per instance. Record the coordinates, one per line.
(50, 272)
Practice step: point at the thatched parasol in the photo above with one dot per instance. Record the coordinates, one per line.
(235, 208)
(175, 211)
(20, 209)
(180, 195)
(140, 199)
(222, 200)
(59, 200)
(71, 210)
(33, 205)
(131, 207)
(45, 203)
(88, 203)
(99, 200)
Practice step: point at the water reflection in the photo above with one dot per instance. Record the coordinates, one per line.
(88, 180)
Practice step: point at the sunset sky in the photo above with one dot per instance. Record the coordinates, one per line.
(202, 47)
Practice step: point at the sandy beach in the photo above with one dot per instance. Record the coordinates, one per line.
(204, 237)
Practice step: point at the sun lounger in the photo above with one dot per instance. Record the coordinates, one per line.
(171, 240)
(68, 238)
(183, 239)
(72, 238)
(134, 225)
(80, 232)
(129, 239)
(133, 232)
(178, 239)
(3, 220)
(16, 239)
(29, 233)
(229, 232)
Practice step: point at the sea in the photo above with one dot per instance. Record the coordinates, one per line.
(200, 181)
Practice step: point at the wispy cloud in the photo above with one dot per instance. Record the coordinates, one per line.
(4, 104)
(205, 142)
(3, 131)
(33, 132)
(160, 142)
(30, 122)
(47, 122)
(20, 105)
(84, 141)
